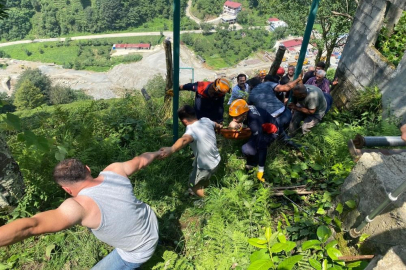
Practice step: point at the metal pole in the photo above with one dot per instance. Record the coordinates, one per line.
(356, 232)
(306, 37)
(176, 48)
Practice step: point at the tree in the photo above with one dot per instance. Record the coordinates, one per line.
(3, 10)
(38, 79)
(334, 17)
(28, 96)
(61, 95)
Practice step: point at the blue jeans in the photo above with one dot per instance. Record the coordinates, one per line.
(329, 100)
(113, 261)
(284, 118)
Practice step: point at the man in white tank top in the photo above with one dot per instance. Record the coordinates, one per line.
(105, 204)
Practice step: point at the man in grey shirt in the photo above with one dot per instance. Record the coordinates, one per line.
(105, 204)
(311, 109)
(200, 134)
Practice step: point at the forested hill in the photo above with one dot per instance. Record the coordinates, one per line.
(53, 18)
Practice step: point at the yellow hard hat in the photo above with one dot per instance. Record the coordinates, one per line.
(222, 85)
(238, 107)
(262, 72)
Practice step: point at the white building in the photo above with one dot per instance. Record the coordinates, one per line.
(275, 23)
(232, 8)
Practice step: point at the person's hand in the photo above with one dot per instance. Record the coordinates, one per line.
(292, 106)
(169, 92)
(335, 81)
(165, 152)
(234, 125)
(260, 176)
(218, 127)
(403, 130)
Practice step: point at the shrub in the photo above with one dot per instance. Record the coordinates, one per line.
(156, 86)
(38, 79)
(61, 95)
(4, 55)
(28, 96)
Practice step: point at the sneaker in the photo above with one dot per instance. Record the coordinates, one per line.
(189, 192)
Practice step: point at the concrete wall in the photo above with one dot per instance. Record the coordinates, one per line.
(362, 65)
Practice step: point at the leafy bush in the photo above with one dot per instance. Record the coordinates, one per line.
(393, 45)
(4, 55)
(38, 79)
(156, 86)
(28, 96)
(61, 95)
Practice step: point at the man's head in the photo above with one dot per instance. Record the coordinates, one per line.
(280, 71)
(272, 78)
(291, 70)
(187, 114)
(403, 130)
(219, 87)
(299, 92)
(253, 82)
(262, 73)
(241, 80)
(320, 74)
(320, 65)
(238, 110)
(70, 171)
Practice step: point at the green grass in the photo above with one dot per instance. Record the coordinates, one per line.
(237, 206)
(64, 54)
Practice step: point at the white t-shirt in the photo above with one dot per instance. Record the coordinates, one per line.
(204, 144)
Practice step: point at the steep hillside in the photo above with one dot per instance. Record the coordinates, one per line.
(46, 18)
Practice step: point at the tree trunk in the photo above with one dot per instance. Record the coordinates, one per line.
(11, 180)
(169, 69)
(278, 60)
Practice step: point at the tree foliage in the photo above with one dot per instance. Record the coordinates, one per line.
(28, 96)
(46, 18)
(333, 17)
(37, 79)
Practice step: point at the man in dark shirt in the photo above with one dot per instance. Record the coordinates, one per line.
(310, 74)
(264, 130)
(209, 98)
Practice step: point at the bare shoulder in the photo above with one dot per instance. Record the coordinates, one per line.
(117, 167)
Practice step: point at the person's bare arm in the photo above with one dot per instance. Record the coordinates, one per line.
(301, 109)
(287, 87)
(403, 130)
(179, 144)
(69, 213)
(129, 167)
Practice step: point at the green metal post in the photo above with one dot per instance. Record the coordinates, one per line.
(306, 37)
(176, 48)
(369, 218)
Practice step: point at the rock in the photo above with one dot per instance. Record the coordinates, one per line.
(374, 176)
(394, 259)
(11, 181)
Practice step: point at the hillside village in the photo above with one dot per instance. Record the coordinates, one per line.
(249, 153)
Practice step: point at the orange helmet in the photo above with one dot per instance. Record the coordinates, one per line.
(262, 73)
(222, 85)
(238, 107)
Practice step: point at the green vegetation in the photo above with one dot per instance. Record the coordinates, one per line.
(34, 89)
(393, 44)
(329, 24)
(34, 19)
(237, 212)
(92, 54)
(225, 48)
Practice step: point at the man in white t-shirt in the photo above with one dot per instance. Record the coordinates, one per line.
(201, 136)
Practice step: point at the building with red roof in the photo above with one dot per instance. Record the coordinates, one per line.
(292, 43)
(232, 8)
(140, 46)
(273, 20)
